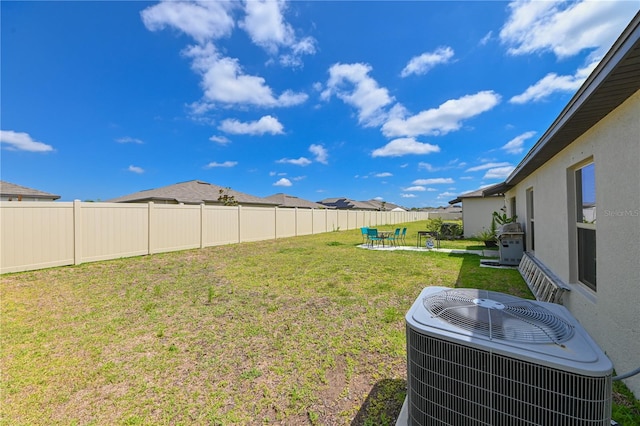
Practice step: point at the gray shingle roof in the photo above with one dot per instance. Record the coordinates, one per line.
(191, 192)
(387, 205)
(285, 200)
(8, 189)
(345, 203)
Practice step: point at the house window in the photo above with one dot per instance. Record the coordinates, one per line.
(531, 240)
(585, 180)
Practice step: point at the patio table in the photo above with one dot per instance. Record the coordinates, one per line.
(384, 235)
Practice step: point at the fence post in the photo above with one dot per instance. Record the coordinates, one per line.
(150, 230)
(239, 223)
(77, 232)
(296, 220)
(202, 225)
(275, 223)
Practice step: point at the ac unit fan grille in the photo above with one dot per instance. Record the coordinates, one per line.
(498, 316)
(453, 384)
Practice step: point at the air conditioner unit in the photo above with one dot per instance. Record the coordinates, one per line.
(477, 357)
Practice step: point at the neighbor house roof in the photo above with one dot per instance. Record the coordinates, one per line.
(344, 203)
(480, 193)
(285, 200)
(612, 82)
(192, 192)
(10, 190)
(387, 205)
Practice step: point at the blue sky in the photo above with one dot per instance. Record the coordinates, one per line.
(412, 102)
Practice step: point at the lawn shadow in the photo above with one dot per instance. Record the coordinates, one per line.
(472, 275)
(383, 404)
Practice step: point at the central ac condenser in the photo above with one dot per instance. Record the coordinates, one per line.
(476, 357)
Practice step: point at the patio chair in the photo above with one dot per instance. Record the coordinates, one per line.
(403, 235)
(393, 238)
(365, 234)
(372, 236)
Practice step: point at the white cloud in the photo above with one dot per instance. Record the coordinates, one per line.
(302, 161)
(204, 20)
(224, 81)
(266, 124)
(405, 146)
(446, 194)
(136, 169)
(487, 166)
(426, 166)
(283, 182)
(552, 83)
(432, 181)
(264, 22)
(19, 141)
(442, 120)
(486, 38)
(321, 154)
(128, 139)
(352, 84)
(516, 145)
(417, 188)
(498, 172)
(559, 27)
(383, 174)
(225, 164)
(222, 140)
(408, 195)
(420, 65)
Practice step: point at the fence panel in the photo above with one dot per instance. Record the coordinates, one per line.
(333, 222)
(41, 236)
(112, 230)
(305, 221)
(286, 222)
(342, 220)
(173, 227)
(320, 221)
(220, 225)
(257, 223)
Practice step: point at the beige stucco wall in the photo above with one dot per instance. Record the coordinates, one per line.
(612, 314)
(477, 213)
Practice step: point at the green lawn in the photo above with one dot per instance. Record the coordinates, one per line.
(297, 331)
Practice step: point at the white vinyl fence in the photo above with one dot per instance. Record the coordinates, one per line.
(35, 235)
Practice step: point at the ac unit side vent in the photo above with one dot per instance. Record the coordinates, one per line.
(454, 384)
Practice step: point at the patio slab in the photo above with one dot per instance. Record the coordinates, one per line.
(484, 253)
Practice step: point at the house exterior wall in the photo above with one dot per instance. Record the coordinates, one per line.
(612, 313)
(476, 214)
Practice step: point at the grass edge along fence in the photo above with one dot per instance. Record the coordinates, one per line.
(39, 235)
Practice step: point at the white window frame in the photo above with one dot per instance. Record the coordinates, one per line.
(581, 224)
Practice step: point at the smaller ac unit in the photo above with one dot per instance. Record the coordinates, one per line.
(476, 357)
